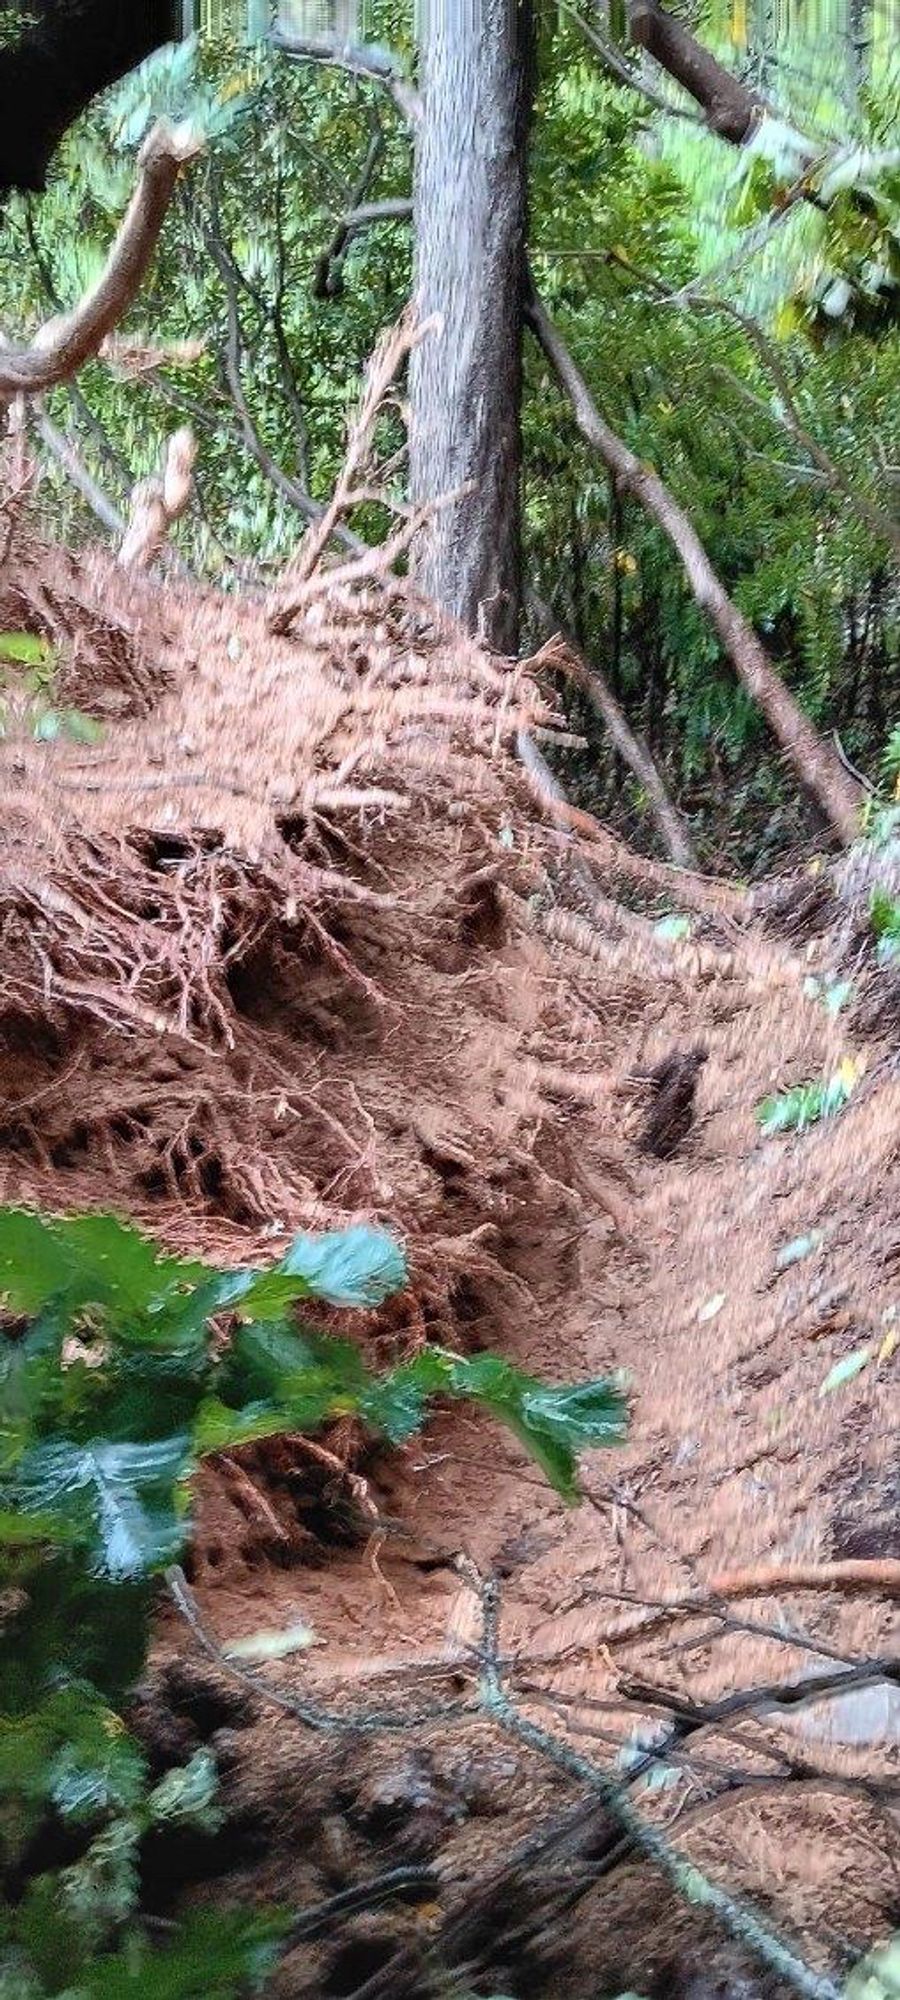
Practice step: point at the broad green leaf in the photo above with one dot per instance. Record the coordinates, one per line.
(115, 1266)
(395, 1404)
(121, 1499)
(361, 1266)
(553, 1423)
(25, 649)
(33, 1266)
(261, 1358)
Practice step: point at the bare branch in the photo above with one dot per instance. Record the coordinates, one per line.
(328, 280)
(61, 448)
(564, 656)
(728, 106)
(359, 59)
(289, 488)
(64, 345)
(818, 768)
(392, 350)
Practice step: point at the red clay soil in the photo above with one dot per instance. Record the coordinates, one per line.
(293, 944)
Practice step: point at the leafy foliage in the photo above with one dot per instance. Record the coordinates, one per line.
(794, 1110)
(884, 915)
(116, 1379)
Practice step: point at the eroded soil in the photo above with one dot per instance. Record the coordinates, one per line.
(294, 945)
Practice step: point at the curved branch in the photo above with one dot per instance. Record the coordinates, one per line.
(328, 280)
(818, 768)
(64, 345)
(359, 59)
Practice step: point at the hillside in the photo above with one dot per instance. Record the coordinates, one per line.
(298, 941)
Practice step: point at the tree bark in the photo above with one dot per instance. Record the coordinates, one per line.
(728, 106)
(470, 211)
(818, 768)
(63, 346)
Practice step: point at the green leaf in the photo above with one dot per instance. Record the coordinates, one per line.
(25, 649)
(396, 1403)
(119, 1498)
(71, 1754)
(33, 1267)
(188, 1796)
(794, 1110)
(846, 1370)
(884, 916)
(65, 1624)
(361, 1266)
(98, 1260)
(552, 1423)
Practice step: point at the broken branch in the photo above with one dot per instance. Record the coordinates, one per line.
(62, 347)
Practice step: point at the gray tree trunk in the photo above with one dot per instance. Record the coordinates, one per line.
(466, 380)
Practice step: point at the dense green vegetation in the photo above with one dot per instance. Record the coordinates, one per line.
(115, 1381)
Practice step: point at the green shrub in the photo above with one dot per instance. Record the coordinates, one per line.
(117, 1376)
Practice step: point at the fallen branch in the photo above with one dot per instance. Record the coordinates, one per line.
(562, 656)
(62, 347)
(816, 764)
(156, 504)
(874, 1574)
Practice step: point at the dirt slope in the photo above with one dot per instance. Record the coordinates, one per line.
(294, 944)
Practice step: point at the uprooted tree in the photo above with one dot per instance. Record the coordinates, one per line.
(470, 271)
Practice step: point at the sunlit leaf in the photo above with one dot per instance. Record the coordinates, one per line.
(119, 1498)
(361, 1266)
(25, 649)
(846, 1370)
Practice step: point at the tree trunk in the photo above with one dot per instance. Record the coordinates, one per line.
(466, 378)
